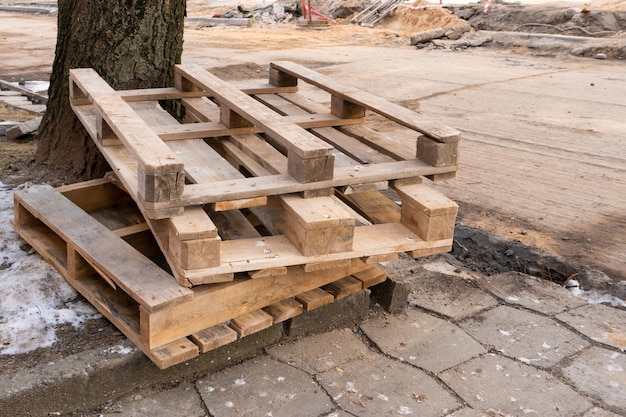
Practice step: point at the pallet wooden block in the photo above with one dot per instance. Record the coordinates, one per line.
(169, 323)
(427, 212)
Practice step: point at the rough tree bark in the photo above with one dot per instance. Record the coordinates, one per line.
(130, 43)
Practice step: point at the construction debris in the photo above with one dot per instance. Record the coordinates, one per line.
(261, 205)
(23, 129)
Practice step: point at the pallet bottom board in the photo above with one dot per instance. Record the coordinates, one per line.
(177, 329)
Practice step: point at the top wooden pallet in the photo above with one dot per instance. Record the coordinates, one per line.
(164, 184)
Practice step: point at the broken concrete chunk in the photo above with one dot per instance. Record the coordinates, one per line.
(4, 126)
(23, 129)
(453, 33)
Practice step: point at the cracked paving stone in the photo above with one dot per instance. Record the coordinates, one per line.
(452, 296)
(263, 387)
(525, 336)
(468, 412)
(180, 401)
(531, 292)
(423, 340)
(598, 412)
(494, 383)
(601, 374)
(322, 352)
(374, 387)
(601, 323)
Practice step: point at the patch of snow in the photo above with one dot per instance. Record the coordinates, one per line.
(35, 298)
(595, 297)
(120, 350)
(229, 404)
(383, 397)
(240, 382)
(444, 267)
(404, 410)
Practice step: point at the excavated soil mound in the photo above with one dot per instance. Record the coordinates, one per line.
(573, 21)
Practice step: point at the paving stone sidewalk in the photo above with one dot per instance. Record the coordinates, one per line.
(466, 346)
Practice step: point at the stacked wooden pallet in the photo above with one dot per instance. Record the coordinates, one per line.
(262, 204)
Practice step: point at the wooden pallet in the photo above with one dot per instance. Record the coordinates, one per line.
(251, 148)
(95, 236)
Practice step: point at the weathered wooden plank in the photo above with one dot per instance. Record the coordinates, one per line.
(274, 251)
(343, 287)
(252, 322)
(160, 173)
(215, 304)
(371, 277)
(197, 194)
(374, 206)
(314, 298)
(371, 102)
(146, 283)
(214, 337)
(284, 310)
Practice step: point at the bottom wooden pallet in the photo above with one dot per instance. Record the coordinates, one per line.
(169, 323)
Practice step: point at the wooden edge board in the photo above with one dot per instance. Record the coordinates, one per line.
(215, 304)
(284, 310)
(152, 287)
(214, 337)
(274, 251)
(371, 277)
(198, 194)
(376, 104)
(343, 287)
(252, 322)
(314, 298)
(148, 149)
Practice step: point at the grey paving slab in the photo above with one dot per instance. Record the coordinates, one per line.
(468, 412)
(378, 387)
(599, 412)
(600, 373)
(338, 414)
(531, 292)
(263, 387)
(525, 336)
(426, 341)
(453, 296)
(180, 401)
(495, 384)
(599, 322)
(322, 352)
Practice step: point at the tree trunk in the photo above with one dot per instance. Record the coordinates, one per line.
(130, 43)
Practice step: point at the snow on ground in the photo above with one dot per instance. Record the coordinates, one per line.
(34, 298)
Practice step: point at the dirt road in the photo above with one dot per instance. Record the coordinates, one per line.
(544, 154)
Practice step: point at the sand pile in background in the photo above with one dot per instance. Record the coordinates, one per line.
(606, 4)
(413, 17)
